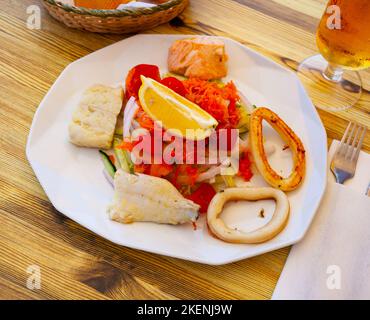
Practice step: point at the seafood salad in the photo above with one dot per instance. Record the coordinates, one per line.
(180, 143)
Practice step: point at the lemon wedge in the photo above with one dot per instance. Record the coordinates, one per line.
(176, 114)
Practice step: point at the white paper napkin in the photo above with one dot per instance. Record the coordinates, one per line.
(333, 260)
(136, 4)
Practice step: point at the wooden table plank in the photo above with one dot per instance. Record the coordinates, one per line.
(75, 263)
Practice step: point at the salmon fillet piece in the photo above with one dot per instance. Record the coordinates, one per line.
(201, 57)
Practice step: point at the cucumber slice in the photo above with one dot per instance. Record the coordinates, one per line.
(119, 131)
(119, 125)
(108, 165)
(243, 124)
(123, 157)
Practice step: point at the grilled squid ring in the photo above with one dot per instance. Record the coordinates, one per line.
(267, 232)
(259, 155)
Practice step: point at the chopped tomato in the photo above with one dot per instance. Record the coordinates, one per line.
(133, 81)
(142, 168)
(184, 175)
(155, 170)
(192, 173)
(174, 177)
(144, 120)
(175, 85)
(245, 165)
(203, 196)
(160, 170)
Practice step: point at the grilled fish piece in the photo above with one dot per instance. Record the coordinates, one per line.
(140, 197)
(201, 57)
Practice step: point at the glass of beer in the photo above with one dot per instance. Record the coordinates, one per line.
(343, 39)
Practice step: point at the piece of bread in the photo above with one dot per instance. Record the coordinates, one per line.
(100, 4)
(94, 120)
(201, 57)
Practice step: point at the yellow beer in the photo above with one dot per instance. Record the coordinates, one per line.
(349, 46)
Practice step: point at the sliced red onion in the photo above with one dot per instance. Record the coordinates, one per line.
(209, 174)
(135, 125)
(213, 171)
(129, 105)
(130, 111)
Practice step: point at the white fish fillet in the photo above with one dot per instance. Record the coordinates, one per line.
(94, 120)
(140, 197)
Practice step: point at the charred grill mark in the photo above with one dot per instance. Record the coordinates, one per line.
(287, 134)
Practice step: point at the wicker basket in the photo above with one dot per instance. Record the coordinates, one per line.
(115, 21)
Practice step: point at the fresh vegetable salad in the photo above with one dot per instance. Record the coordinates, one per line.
(197, 182)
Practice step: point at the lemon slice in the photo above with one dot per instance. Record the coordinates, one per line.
(176, 113)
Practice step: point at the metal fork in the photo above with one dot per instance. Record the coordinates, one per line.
(345, 158)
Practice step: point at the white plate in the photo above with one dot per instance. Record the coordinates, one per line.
(72, 177)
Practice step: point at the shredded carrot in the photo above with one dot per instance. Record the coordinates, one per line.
(220, 102)
(126, 145)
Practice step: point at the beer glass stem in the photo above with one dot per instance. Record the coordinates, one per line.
(333, 73)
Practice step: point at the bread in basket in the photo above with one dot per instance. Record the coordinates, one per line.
(127, 20)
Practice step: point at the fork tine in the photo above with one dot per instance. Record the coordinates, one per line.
(359, 145)
(352, 147)
(342, 142)
(348, 140)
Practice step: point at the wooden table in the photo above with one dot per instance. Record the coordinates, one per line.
(74, 262)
